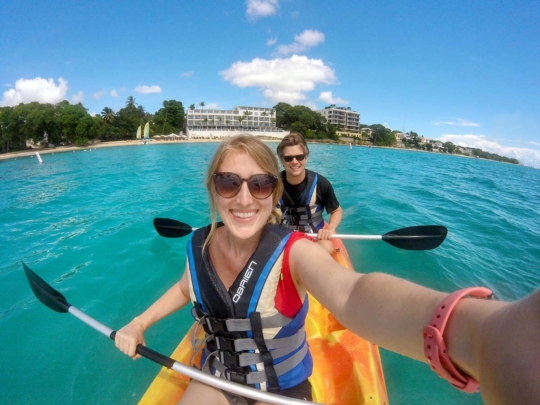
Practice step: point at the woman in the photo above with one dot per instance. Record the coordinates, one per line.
(248, 279)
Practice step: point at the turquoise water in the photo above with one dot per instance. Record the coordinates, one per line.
(83, 221)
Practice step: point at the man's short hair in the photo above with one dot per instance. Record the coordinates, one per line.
(293, 139)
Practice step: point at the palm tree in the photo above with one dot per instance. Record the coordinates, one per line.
(130, 103)
(240, 119)
(107, 114)
(202, 104)
(192, 107)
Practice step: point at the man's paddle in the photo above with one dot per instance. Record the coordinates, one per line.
(57, 302)
(424, 237)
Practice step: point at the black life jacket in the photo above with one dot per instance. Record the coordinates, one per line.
(307, 216)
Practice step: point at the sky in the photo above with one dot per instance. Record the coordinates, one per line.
(460, 71)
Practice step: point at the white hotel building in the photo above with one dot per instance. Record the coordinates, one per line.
(342, 117)
(257, 121)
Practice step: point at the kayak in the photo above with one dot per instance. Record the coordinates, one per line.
(346, 368)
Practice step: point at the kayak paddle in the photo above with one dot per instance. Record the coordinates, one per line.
(423, 237)
(57, 302)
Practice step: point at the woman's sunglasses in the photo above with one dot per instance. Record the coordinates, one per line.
(260, 186)
(289, 159)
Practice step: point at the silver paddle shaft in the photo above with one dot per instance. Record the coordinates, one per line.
(198, 375)
(357, 237)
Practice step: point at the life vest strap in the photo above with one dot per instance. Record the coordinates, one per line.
(214, 325)
(233, 363)
(279, 347)
(264, 353)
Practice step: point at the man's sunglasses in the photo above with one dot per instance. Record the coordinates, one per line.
(289, 159)
(260, 186)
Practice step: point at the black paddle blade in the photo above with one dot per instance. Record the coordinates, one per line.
(171, 228)
(45, 293)
(425, 237)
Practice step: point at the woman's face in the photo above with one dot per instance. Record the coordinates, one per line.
(243, 215)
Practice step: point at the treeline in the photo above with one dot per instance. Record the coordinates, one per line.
(493, 156)
(380, 135)
(305, 121)
(65, 123)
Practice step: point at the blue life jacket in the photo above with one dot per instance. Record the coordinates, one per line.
(247, 339)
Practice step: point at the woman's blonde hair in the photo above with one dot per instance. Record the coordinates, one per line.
(261, 154)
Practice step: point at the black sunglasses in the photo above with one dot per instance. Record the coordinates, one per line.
(260, 186)
(289, 159)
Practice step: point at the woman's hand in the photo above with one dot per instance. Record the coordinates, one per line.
(127, 338)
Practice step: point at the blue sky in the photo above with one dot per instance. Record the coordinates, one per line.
(468, 72)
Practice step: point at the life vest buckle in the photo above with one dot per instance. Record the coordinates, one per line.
(213, 325)
(221, 343)
(238, 376)
(229, 359)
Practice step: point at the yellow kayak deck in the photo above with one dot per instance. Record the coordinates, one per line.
(347, 370)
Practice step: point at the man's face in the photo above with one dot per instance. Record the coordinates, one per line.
(297, 165)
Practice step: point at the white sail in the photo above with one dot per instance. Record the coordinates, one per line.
(147, 131)
(139, 132)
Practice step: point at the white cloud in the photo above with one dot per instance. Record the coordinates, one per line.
(148, 89)
(527, 156)
(386, 126)
(114, 94)
(328, 97)
(212, 106)
(37, 89)
(187, 74)
(285, 80)
(271, 41)
(459, 122)
(534, 143)
(261, 8)
(295, 14)
(304, 41)
(77, 98)
(97, 95)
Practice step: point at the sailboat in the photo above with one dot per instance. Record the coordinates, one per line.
(139, 132)
(146, 137)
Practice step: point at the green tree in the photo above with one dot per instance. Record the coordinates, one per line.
(130, 103)
(202, 105)
(170, 118)
(449, 147)
(108, 115)
(381, 135)
(313, 125)
(69, 116)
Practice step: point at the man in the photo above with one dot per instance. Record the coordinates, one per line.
(306, 194)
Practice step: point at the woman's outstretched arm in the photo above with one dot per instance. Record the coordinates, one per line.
(486, 339)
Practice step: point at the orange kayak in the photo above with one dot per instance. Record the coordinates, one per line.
(346, 368)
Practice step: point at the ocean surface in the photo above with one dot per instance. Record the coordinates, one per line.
(83, 221)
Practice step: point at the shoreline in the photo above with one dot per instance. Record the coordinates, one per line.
(62, 149)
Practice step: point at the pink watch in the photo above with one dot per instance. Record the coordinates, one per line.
(435, 348)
